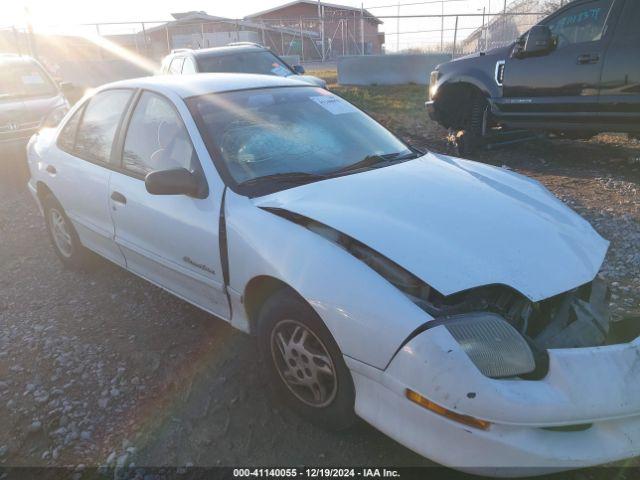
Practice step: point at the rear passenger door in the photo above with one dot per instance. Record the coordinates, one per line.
(620, 93)
(171, 240)
(81, 171)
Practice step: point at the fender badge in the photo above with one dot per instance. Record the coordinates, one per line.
(201, 266)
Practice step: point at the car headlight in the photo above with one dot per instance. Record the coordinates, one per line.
(492, 344)
(55, 117)
(433, 83)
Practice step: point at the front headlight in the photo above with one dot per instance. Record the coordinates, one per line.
(55, 117)
(492, 344)
(433, 83)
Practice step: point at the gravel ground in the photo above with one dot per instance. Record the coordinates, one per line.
(103, 368)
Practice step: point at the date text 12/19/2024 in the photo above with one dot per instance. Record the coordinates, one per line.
(308, 472)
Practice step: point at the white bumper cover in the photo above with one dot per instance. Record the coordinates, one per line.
(598, 386)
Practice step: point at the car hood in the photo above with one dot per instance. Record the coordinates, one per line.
(318, 82)
(457, 224)
(501, 52)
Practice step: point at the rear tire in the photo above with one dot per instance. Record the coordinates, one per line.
(304, 364)
(64, 237)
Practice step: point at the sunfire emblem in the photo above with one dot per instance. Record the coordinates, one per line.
(201, 266)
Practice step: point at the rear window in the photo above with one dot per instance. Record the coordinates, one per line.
(261, 62)
(24, 79)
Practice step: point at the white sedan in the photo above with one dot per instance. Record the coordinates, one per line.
(453, 305)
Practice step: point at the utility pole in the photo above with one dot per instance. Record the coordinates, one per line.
(146, 42)
(442, 26)
(398, 30)
(362, 26)
(486, 36)
(33, 49)
(17, 40)
(455, 39)
(301, 42)
(484, 29)
(321, 20)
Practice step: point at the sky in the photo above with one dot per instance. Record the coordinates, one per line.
(65, 13)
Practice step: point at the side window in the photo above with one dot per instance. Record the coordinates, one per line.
(189, 67)
(582, 23)
(99, 124)
(67, 136)
(156, 139)
(176, 66)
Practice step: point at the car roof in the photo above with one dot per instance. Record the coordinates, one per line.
(9, 58)
(193, 85)
(226, 50)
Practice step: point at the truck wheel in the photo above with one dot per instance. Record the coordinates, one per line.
(471, 137)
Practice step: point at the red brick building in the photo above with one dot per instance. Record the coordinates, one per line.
(345, 30)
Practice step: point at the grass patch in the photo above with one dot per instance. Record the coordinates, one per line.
(329, 76)
(400, 108)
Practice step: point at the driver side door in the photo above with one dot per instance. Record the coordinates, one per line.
(562, 85)
(171, 240)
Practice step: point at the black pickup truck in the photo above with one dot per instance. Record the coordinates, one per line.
(575, 74)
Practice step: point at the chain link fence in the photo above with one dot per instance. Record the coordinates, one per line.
(304, 39)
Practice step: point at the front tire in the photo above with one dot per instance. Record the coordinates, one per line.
(472, 136)
(64, 237)
(304, 364)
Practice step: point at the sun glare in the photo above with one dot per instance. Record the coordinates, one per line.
(123, 53)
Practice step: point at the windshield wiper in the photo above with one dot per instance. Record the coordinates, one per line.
(287, 177)
(376, 160)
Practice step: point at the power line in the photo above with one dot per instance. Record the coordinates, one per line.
(432, 31)
(414, 3)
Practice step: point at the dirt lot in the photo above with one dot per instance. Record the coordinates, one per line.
(103, 368)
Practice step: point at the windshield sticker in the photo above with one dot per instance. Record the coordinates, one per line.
(334, 104)
(32, 80)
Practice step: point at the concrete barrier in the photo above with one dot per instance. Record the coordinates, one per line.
(291, 59)
(388, 69)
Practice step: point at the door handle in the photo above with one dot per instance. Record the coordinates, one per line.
(119, 198)
(51, 169)
(588, 58)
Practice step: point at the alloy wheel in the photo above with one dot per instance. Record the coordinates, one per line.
(303, 363)
(60, 233)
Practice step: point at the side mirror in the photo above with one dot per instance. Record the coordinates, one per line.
(299, 69)
(538, 41)
(177, 181)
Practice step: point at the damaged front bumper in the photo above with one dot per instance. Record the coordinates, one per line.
(585, 411)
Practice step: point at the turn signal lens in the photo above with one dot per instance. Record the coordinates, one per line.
(456, 417)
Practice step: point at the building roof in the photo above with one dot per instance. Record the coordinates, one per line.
(367, 14)
(186, 18)
(186, 86)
